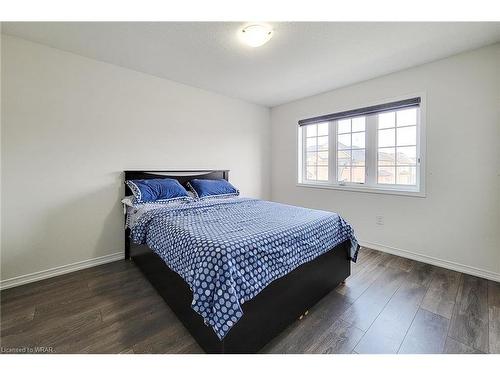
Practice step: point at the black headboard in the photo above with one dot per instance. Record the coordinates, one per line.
(182, 176)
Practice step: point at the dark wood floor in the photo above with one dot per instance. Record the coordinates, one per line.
(388, 305)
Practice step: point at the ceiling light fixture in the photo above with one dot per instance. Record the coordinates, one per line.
(256, 35)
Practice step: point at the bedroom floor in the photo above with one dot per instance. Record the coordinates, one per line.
(388, 305)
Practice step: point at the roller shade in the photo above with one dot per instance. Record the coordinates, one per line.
(413, 102)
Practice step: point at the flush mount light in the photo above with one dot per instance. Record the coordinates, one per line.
(256, 35)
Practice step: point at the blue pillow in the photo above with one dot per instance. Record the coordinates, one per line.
(211, 188)
(157, 189)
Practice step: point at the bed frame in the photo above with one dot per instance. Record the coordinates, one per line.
(265, 316)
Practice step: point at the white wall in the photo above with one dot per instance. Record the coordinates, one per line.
(71, 125)
(458, 222)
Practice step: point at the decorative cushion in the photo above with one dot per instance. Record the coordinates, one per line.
(157, 190)
(210, 188)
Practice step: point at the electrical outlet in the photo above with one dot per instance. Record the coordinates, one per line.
(379, 220)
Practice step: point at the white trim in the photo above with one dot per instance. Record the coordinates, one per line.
(61, 270)
(434, 261)
(363, 189)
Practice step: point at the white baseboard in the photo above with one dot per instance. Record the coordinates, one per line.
(434, 261)
(56, 271)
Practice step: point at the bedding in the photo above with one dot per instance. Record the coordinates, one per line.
(212, 188)
(229, 250)
(128, 201)
(134, 211)
(156, 189)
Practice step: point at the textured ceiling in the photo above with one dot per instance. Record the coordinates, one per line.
(302, 59)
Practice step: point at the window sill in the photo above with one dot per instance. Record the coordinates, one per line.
(363, 189)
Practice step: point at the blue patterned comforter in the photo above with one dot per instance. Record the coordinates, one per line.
(229, 250)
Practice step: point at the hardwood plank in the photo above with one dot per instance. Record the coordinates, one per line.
(299, 337)
(42, 326)
(401, 263)
(119, 297)
(388, 331)
(116, 336)
(364, 257)
(54, 294)
(21, 339)
(366, 308)
(494, 316)
(60, 284)
(356, 284)
(440, 298)
(453, 346)
(127, 325)
(113, 309)
(364, 254)
(470, 323)
(170, 339)
(192, 348)
(127, 351)
(46, 324)
(421, 273)
(427, 334)
(341, 338)
(14, 317)
(103, 283)
(121, 309)
(51, 333)
(72, 328)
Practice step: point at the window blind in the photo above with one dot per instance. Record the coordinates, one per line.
(386, 107)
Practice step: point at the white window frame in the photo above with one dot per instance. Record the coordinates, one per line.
(371, 147)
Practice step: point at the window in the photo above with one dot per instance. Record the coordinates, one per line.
(316, 152)
(351, 150)
(397, 147)
(375, 148)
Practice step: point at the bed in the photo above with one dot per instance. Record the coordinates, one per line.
(238, 271)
